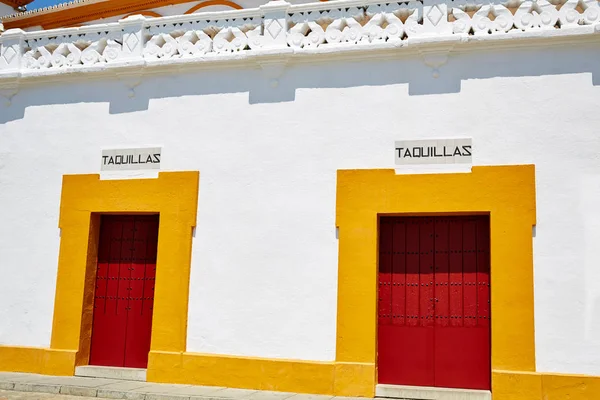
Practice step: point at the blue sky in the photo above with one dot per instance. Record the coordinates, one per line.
(44, 3)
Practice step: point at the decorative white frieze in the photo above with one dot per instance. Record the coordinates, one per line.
(72, 47)
(11, 49)
(498, 18)
(200, 36)
(279, 27)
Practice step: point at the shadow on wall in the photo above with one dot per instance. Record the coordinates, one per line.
(410, 71)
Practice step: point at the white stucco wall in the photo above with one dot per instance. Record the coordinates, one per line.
(264, 262)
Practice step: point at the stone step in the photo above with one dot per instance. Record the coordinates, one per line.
(429, 393)
(123, 374)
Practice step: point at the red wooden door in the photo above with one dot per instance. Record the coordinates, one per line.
(434, 302)
(124, 291)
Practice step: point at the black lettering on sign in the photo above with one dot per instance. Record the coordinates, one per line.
(420, 150)
(407, 154)
(156, 158)
(467, 150)
(446, 154)
(457, 151)
(104, 159)
(399, 150)
(111, 160)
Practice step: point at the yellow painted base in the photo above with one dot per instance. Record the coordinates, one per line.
(510, 385)
(341, 379)
(37, 360)
(329, 378)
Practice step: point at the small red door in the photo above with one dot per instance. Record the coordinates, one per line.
(434, 302)
(124, 291)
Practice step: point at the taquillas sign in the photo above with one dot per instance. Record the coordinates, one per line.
(131, 159)
(443, 151)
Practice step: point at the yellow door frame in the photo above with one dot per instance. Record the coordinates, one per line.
(174, 196)
(507, 193)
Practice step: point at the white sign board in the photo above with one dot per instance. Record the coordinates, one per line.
(443, 151)
(130, 159)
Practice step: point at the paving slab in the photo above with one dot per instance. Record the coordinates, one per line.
(229, 393)
(19, 376)
(12, 395)
(79, 391)
(36, 387)
(120, 394)
(268, 395)
(157, 388)
(76, 381)
(125, 385)
(199, 391)
(166, 396)
(61, 388)
(310, 397)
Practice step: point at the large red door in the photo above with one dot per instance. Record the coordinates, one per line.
(434, 302)
(124, 291)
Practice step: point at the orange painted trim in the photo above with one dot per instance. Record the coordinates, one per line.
(213, 3)
(146, 13)
(78, 14)
(16, 3)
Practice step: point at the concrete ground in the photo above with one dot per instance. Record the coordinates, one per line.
(12, 395)
(20, 386)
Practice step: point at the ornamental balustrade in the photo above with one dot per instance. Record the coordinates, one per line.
(279, 25)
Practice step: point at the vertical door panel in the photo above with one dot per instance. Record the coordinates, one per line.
(463, 347)
(110, 315)
(442, 293)
(143, 269)
(455, 272)
(405, 344)
(125, 272)
(417, 336)
(385, 271)
(387, 349)
(399, 273)
(434, 311)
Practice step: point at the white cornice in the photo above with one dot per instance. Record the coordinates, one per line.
(269, 33)
(454, 44)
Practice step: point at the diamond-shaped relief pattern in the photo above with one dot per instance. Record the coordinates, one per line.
(274, 28)
(131, 41)
(435, 15)
(9, 54)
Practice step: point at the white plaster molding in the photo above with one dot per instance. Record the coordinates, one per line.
(8, 91)
(275, 24)
(435, 53)
(131, 78)
(273, 65)
(357, 29)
